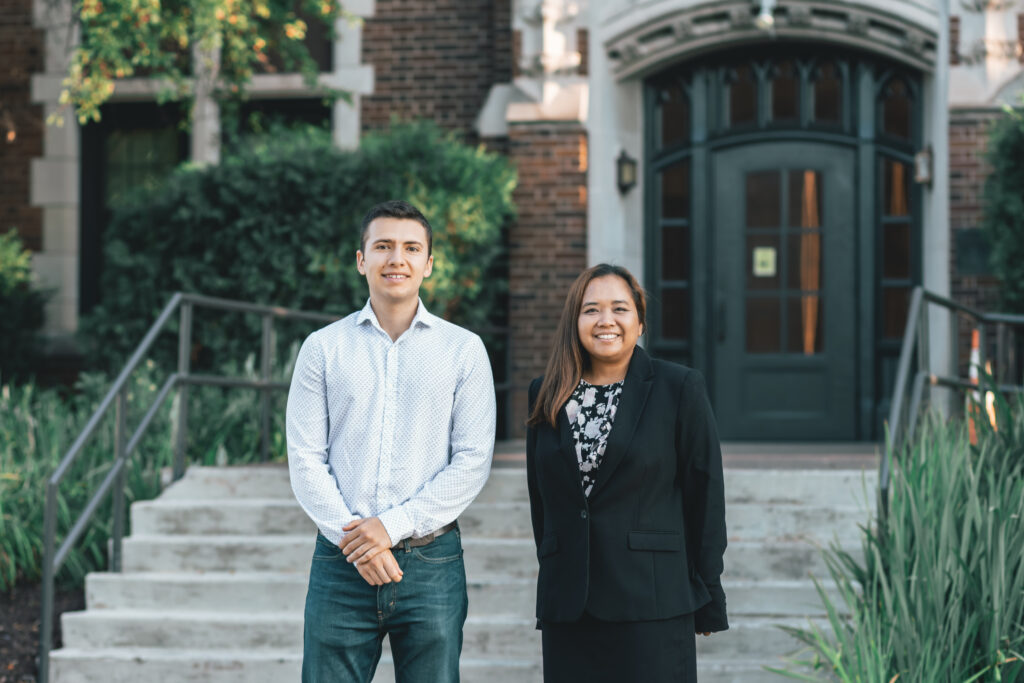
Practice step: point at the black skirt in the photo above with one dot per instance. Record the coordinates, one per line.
(595, 651)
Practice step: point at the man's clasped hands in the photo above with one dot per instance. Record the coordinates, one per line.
(367, 545)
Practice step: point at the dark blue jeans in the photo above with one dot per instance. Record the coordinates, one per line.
(346, 618)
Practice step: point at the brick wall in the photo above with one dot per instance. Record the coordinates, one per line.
(435, 59)
(547, 245)
(968, 138)
(21, 123)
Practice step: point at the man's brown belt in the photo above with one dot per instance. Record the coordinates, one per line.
(424, 540)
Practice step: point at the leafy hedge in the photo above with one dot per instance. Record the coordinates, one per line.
(21, 308)
(938, 594)
(278, 223)
(1004, 208)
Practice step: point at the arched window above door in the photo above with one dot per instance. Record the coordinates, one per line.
(897, 105)
(672, 113)
(828, 85)
(784, 91)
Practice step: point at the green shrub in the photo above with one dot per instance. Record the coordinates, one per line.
(278, 223)
(938, 596)
(37, 426)
(21, 308)
(1004, 208)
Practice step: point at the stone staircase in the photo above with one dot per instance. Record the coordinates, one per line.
(215, 578)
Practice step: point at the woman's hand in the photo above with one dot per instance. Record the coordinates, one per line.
(705, 633)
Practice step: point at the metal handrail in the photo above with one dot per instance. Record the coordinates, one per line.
(902, 415)
(113, 483)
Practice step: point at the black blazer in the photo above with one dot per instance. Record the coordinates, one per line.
(649, 541)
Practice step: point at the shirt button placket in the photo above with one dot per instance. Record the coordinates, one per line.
(388, 431)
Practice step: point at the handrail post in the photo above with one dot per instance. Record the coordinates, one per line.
(923, 335)
(266, 351)
(117, 532)
(49, 539)
(184, 364)
(982, 355)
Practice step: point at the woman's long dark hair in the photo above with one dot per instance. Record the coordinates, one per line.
(568, 358)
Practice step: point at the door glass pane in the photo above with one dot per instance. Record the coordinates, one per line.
(896, 109)
(675, 191)
(675, 253)
(763, 261)
(138, 158)
(785, 92)
(828, 94)
(896, 258)
(675, 313)
(763, 210)
(895, 302)
(804, 261)
(805, 207)
(673, 115)
(897, 188)
(742, 96)
(763, 324)
(804, 323)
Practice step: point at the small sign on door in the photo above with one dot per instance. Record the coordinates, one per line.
(764, 262)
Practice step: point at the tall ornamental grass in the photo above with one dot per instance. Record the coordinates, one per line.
(938, 596)
(37, 426)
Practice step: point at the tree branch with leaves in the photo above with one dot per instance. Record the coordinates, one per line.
(165, 40)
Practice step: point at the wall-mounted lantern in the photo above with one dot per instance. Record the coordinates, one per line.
(625, 172)
(923, 166)
(765, 19)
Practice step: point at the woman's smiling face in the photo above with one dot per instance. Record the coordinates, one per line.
(608, 323)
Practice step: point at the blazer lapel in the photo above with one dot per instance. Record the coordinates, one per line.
(635, 390)
(567, 447)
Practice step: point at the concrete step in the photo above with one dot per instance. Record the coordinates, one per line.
(167, 665)
(246, 592)
(257, 516)
(240, 592)
(825, 488)
(812, 487)
(755, 637)
(777, 560)
(131, 665)
(271, 481)
(498, 637)
(484, 557)
(484, 636)
(237, 481)
(789, 522)
(276, 516)
(778, 599)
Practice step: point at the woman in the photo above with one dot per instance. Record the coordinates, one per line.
(626, 496)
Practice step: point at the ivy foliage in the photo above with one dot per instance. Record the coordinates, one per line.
(21, 308)
(278, 222)
(162, 39)
(1004, 208)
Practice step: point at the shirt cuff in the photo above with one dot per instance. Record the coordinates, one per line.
(397, 524)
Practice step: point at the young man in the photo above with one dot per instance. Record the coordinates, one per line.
(390, 426)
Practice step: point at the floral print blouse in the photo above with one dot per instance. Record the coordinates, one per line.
(591, 411)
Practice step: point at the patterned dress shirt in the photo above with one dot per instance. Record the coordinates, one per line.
(399, 430)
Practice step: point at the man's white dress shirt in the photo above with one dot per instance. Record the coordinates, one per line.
(399, 430)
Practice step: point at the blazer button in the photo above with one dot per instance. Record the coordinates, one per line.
(583, 514)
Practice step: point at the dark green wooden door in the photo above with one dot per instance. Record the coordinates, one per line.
(785, 290)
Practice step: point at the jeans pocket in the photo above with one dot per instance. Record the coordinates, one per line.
(325, 550)
(447, 548)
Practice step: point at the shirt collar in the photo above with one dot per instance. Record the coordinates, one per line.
(423, 317)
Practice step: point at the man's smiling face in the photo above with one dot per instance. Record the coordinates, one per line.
(395, 259)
